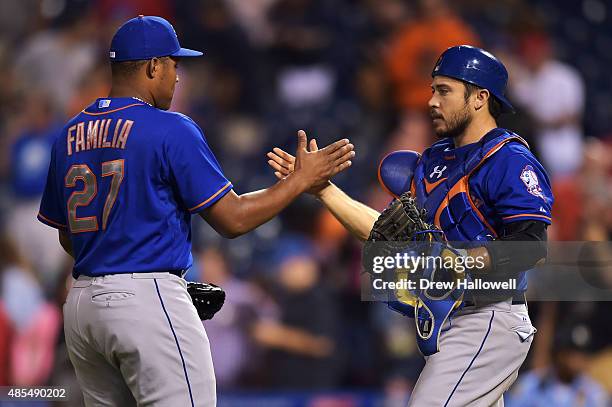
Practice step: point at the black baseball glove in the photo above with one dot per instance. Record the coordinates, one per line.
(394, 230)
(207, 298)
(401, 226)
(399, 222)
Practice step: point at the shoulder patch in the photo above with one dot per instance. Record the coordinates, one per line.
(530, 179)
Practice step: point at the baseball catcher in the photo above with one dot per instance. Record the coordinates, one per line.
(479, 185)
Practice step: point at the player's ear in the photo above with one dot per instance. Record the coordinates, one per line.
(481, 99)
(153, 67)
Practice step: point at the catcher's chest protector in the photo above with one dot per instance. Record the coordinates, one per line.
(441, 185)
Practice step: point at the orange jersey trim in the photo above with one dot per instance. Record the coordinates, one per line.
(532, 215)
(43, 217)
(462, 186)
(114, 110)
(211, 198)
(431, 186)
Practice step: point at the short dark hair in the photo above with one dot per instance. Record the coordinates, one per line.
(495, 107)
(126, 68)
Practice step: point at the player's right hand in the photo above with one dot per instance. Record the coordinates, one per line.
(316, 166)
(283, 164)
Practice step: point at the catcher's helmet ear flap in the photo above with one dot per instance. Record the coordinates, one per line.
(476, 66)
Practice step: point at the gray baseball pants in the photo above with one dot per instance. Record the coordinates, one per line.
(136, 339)
(481, 351)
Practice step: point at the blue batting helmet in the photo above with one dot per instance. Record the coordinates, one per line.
(476, 66)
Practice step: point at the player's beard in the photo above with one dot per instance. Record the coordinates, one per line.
(456, 124)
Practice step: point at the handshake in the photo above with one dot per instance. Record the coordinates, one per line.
(315, 166)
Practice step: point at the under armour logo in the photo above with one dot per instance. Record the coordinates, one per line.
(437, 171)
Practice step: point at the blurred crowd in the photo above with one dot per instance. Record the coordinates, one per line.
(359, 69)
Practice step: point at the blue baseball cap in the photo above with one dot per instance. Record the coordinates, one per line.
(146, 37)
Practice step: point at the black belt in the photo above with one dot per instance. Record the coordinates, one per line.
(178, 273)
(518, 299)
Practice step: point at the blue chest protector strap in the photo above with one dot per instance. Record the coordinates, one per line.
(449, 205)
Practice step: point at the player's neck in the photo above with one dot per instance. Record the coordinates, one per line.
(476, 130)
(121, 90)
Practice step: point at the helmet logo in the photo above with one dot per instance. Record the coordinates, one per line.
(473, 63)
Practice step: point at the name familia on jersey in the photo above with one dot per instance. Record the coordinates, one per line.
(124, 179)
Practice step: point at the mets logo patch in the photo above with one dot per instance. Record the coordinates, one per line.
(530, 179)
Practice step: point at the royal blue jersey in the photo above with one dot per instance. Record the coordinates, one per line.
(510, 186)
(505, 183)
(124, 179)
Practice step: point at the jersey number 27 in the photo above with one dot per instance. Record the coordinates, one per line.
(82, 172)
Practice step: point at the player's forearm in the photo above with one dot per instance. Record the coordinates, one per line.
(483, 257)
(521, 247)
(356, 217)
(256, 208)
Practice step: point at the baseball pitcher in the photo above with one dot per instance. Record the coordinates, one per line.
(124, 180)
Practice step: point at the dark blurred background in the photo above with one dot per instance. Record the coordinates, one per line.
(293, 331)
